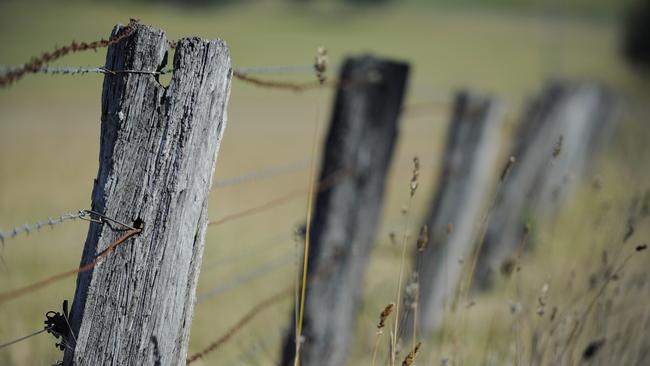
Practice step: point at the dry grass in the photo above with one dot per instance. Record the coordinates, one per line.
(48, 159)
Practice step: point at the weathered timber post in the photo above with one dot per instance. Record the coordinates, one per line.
(157, 156)
(563, 131)
(468, 170)
(357, 152)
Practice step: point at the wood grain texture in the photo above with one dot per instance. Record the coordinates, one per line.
(360, 141)
(157, 157)
(562, 134)
(465, 183)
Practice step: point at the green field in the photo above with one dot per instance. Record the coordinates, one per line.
(49, 141)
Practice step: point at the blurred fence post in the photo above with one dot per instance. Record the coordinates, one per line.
(563, 131)
(357, 153)
(157, 156)
(468, 169)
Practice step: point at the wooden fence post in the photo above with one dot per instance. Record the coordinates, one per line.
(157, 156)
(358, 152)
(473, 141)
(564, 129)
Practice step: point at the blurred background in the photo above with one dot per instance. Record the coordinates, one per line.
(49, 142)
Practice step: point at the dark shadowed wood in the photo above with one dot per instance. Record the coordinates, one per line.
(560, 137)
(157, 157)
(360, 144)
(468, 172)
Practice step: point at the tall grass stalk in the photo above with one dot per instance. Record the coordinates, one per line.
(413, 187)
(305, 261)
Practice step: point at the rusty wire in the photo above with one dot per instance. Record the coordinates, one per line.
(250, 315)
(13, 294)
(36, 63)
(324, 184)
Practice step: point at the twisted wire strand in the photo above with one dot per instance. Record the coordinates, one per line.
(51, 222)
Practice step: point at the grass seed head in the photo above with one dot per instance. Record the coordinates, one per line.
(384, 315)
(410, 358)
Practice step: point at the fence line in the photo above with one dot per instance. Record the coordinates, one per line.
(12, 294)
(242, 74)
(250, 70)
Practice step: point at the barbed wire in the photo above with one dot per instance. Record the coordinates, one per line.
(7, 72)
(51, 222)
(83, 214)
(36, 63)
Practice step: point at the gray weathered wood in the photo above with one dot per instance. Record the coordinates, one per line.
(157, 157)
(563, 131)
(469, 163)
(360, 144)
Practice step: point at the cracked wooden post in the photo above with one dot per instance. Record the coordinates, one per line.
(157, 156)
(357, 152)
(468, 171)
(563, 131)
